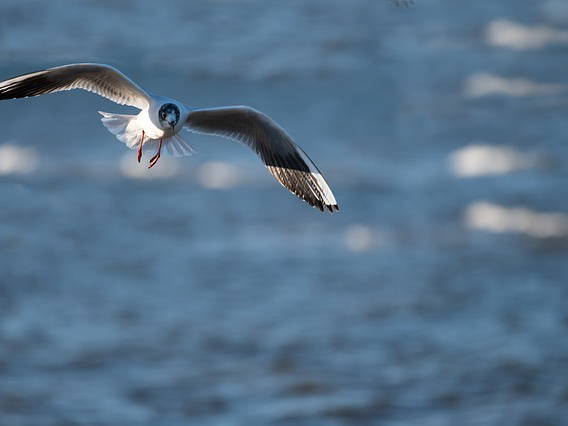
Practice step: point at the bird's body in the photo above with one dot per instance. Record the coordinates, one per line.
(129, 128)
(161, 119)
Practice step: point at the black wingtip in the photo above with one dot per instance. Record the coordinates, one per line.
(330, 207)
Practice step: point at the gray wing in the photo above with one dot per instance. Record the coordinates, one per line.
(101, 79)
(285, 160)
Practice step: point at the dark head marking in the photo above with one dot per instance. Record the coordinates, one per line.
(168, 115)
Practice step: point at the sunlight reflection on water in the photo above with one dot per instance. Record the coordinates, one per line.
(17, 160)
(201, 292)
(494, 218)
(505, 33)
(485, 84)
(482, 160)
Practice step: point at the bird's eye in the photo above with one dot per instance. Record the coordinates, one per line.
(163, 115)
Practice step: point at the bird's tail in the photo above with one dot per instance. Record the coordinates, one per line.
(124, 127)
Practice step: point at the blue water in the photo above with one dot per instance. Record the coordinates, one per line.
(130, 297)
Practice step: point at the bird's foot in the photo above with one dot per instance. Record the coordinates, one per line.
(156, 157)
(140, 147)
(154, 160)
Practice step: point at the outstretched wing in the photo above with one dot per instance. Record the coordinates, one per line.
(101, 79)
(285, 160)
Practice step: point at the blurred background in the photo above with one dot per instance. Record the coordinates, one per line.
(202, 293)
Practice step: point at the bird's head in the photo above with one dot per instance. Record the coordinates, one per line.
(168, 115)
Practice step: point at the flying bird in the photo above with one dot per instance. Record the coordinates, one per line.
(161, 119)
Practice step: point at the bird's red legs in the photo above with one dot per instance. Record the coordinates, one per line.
(156, 157)
(140, 147)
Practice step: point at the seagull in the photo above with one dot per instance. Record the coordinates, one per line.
(161, 119)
